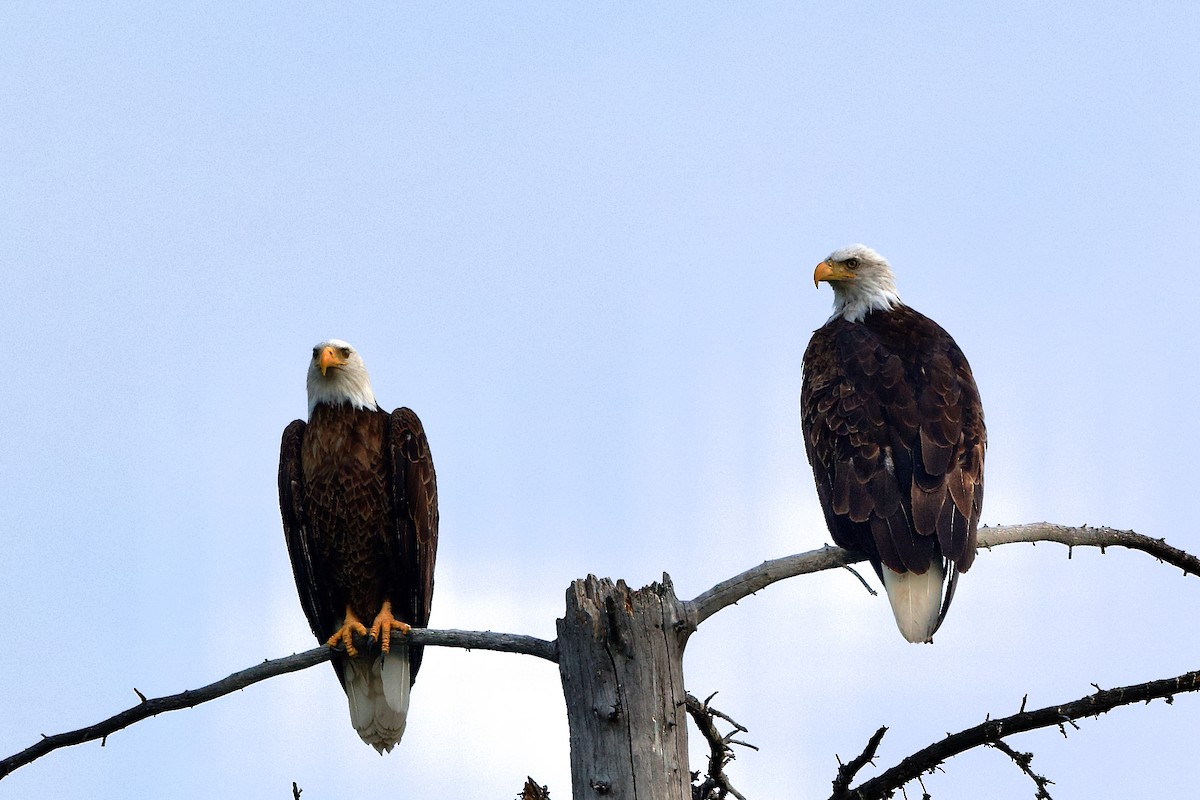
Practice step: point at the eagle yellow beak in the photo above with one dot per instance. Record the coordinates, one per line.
(826, 271)
(330, 358)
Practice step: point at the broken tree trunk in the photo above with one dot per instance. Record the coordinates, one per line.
(621, 662)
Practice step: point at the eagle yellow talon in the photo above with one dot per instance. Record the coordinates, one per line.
(345, 634)
(384, 624)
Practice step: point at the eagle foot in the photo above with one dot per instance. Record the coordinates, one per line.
(384, 624)
(345, 634)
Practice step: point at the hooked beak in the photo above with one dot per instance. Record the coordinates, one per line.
(330, 358)
(826, 271)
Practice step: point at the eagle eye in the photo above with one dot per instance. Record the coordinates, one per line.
(345, 352)
(852, 262)
(316, 353)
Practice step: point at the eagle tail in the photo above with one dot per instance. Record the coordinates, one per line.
(916, 600)
(377, 690)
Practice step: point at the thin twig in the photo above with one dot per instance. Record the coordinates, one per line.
(861, 580)
(1023, 761)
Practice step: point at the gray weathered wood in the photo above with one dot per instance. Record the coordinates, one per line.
(621, 662)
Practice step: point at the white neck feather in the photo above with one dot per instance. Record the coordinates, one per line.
(349, 384)
(853, 306)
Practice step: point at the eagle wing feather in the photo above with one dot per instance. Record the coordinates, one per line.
(414, 491)
(318, 605)
(885, 423)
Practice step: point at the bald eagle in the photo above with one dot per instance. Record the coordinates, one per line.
(893, 428)
(358, 496)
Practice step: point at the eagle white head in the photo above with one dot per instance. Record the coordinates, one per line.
(336, 374)
(862, 282)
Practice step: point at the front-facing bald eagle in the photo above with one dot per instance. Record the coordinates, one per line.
(358, 496)
(894, 431)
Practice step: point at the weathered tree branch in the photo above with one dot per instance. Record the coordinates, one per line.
(752, 580)
(157, 705)
(847, 771)
(716, 785)
(1085, 536)
(486, 640)
(994, 730)
(476, 640)
(1024, 762)
(696, 611)
(728, 592)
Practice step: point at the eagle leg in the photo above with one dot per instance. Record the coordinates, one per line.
(345, 634)
(384, 624)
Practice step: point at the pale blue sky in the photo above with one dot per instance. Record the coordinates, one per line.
(578, 241)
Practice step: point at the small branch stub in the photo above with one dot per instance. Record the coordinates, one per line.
(532, 791)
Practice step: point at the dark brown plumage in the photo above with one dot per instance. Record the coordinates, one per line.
(358, 495)
(893, 427)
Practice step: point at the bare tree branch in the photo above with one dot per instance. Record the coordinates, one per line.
(1086, 536)
(478, 640)
(847, 771)
(716, 785)
(486, 640)
(994, 730)
(740, 586)
(697, 610)
(729, 591)
(1023, 762)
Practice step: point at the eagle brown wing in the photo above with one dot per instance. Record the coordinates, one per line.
(414, 492)
(315, 598)
(893, 428)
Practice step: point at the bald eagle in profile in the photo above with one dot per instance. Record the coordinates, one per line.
(893, 428)
(358, 496)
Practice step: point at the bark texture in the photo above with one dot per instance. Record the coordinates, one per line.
(621, 662)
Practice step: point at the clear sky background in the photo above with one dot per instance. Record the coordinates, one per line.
(578, 240)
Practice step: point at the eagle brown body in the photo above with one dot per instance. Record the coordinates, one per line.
(358, 495)
(893, 427)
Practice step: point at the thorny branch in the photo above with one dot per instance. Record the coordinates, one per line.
(716, 785)
(994, 730)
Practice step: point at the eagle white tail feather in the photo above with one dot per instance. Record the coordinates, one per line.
(916, 600)
(377, 691)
